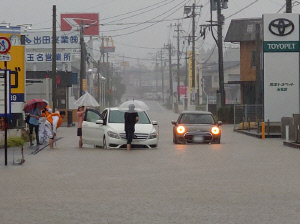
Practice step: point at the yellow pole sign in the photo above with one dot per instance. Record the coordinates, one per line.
(17, 67)
(84, 84)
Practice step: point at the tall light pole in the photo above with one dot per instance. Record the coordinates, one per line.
(220, 50)
(288, 6)
(54, 100)
(82, 59)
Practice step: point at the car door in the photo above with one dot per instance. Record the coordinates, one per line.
(91, 132)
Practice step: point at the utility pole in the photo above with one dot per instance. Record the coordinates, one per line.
(193, 51)
(54, 98)
(82, 59)
(187, 89)
(288, 6)
(98, 72)
(178, 62)
(169, 47)
(156, 76)
(220, 51)
(139, 70)
(162, 77)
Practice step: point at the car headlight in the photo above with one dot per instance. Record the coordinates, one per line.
(180, 129)
(153, 135)
(215, 130)
(113, 134)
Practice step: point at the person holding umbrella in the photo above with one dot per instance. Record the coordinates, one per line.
(34, 107)
(131, 117)
(34, 114)
(80, 116)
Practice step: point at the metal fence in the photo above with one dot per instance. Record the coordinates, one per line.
(246, 113)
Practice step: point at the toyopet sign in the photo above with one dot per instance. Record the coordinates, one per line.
(281, 66)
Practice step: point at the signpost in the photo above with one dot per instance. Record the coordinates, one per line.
(4, 48)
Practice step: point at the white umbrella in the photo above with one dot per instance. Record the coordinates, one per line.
(132, 106)
(86, 100)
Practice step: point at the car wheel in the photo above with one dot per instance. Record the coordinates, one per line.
(175, 140)
(217, 141)
(104, 143)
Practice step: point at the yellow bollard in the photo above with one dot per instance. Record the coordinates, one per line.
(262, 130)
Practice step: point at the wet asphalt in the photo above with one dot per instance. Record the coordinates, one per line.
(242, 180)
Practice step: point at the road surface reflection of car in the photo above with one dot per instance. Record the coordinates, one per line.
(196, 127)
(107, 130)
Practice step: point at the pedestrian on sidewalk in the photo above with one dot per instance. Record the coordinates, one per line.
(52, 123)
(34, 114)
(42, 133)
(131, 117)
(80, 116)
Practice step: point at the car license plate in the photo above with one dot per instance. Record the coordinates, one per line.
(198, 139)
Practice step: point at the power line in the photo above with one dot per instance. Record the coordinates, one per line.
(142, 12)
(135, 10)
(147, 20)
(152, 24)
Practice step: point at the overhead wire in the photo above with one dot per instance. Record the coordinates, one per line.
(180, 5)
(142, 12)
(149, 19)
(135, 10)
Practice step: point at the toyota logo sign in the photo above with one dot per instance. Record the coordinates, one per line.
(281, 27)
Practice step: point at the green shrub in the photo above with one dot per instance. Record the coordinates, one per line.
(15, 141)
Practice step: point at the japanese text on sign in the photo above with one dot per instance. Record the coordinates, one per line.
(44, 40)
(35, 57)
(282, 87)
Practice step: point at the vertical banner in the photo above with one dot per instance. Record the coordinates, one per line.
(191, 73)
(281, 66)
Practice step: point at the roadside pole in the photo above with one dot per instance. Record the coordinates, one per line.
(4, 49)
(5, 113)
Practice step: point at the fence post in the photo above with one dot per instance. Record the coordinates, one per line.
(249, 121)
(268, 127)
(243, 123)
(234, 116)
(262, 130)
(287, 133)
(246, 112)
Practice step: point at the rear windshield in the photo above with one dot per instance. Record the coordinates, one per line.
(196, 119)
(116, 116)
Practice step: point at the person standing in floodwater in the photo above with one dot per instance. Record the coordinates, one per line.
(131, 118)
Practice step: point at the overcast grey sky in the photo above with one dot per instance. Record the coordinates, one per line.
(145, 39)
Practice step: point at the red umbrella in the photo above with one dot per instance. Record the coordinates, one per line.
(30, 104)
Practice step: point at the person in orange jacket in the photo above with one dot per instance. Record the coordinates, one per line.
(52, 123)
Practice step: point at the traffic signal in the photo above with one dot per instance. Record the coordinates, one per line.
(224, 4)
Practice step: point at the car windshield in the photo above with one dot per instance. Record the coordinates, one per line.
(116, 116)
(196, 119)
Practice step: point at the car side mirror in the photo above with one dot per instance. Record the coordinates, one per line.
(173, 122)
(220, 123)
(99, 122)
(154, 122)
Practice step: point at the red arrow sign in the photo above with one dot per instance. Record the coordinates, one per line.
(4, 45)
